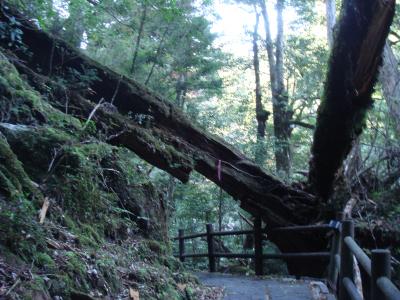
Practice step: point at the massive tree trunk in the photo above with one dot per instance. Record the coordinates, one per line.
(353, 65)
(281, 114)
(261, 113)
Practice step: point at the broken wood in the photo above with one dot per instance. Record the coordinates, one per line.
(353, 69)
(43, 211)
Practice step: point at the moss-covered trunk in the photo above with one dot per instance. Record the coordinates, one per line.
(354, 61)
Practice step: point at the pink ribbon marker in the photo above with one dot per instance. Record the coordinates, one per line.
(219, 168)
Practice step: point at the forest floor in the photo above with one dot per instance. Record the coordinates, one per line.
(253, 288)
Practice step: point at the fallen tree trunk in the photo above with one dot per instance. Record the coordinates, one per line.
(159, 132)
(352, 73)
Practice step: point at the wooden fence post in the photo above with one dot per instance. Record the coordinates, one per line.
(334, 260)
(380, 266)
(258, 259)
(181, 245)
(210, 242)
(333, 270)
(346, 260)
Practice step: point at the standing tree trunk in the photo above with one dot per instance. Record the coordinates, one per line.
(181, 90)
(281, 114)
(138, 39)
(330, 20)
(261, 113)
(158, 52)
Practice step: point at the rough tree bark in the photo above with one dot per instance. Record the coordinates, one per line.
(353, 65)
(281, 114)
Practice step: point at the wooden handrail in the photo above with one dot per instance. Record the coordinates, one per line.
(377, 269)
(319, 227)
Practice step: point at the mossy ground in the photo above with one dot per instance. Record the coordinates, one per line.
(105, 229)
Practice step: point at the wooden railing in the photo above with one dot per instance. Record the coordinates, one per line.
(258, 255)
(375, 272)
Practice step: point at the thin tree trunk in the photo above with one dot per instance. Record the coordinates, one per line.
(138, 39)
(181, 91)
(281, 114)
(261, 113)
(279, 95)
(157, 55)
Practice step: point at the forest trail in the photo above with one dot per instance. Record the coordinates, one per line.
(252, 288)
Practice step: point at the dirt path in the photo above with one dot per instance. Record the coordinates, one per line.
(252, 288)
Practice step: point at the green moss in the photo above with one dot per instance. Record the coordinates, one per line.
(107, 266)
(89, 236)
(76, 270)
(27, 103)
(19, 230)
(13, 179)
(156, 247)
(33, 289)
(74, 264)
(170, 292)
(43, 260)
(35, 147)
(61, 285)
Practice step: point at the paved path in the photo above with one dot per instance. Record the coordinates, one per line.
(252, 288)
